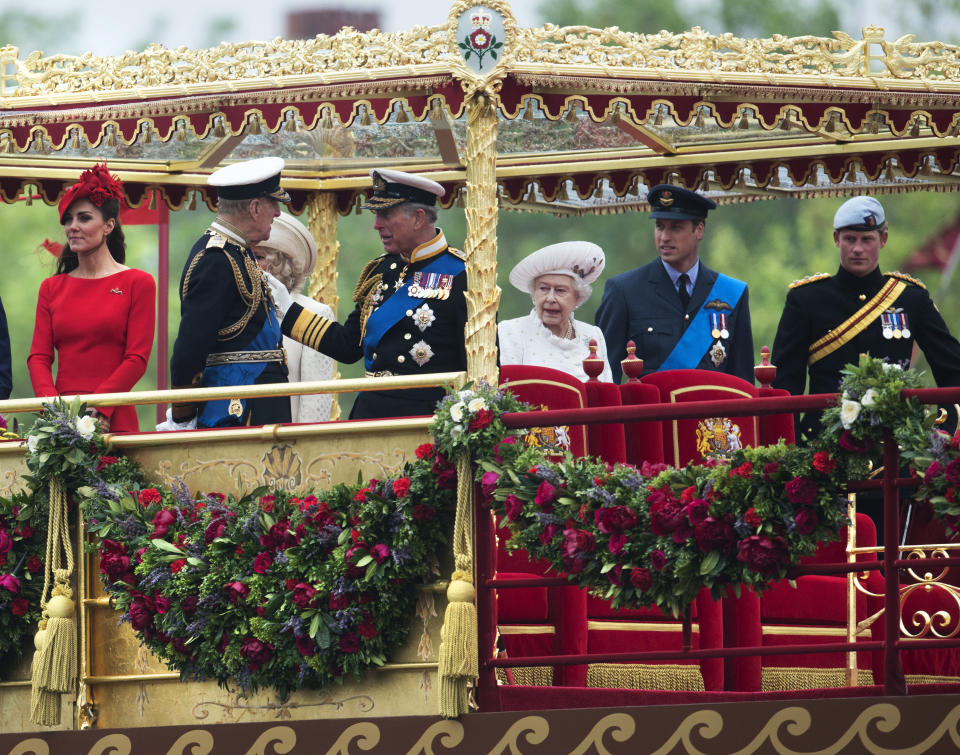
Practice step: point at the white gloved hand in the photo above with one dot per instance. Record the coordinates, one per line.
(281, 297)
(170, 425)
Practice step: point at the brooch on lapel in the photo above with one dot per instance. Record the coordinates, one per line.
(718, 304)
(117, 291)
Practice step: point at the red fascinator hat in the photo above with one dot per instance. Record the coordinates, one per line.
(95, 184)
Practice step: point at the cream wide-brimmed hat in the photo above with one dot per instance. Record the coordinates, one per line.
(291, 237)
(581, 260)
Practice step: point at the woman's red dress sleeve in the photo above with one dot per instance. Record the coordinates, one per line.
(40, 360)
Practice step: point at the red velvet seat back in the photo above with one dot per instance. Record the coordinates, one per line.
(681, 443)
(550, 389)
(643, 440)
(606, 441)
(773, 427)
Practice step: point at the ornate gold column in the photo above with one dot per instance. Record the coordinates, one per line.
(483, 294)
(322, 221)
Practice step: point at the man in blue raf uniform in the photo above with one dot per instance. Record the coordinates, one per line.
(229, 332)
(678, 312)
(410, 308)
(829, 320)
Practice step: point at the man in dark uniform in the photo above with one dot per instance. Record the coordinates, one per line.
(828, 321)
(229, 332)
(678, 312)
(6, 375)
(410, 308)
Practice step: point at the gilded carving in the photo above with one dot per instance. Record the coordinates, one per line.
(112, 744)
(33, 746)
(279, 739)
(236, 710)
(282, 467)
(319, 468)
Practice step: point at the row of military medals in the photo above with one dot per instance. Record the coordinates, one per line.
(895, 324)
(718, 330)
(431, 285)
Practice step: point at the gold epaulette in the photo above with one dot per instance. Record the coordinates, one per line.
(809, 279)
(904, 277)
(216, 240)
(458, 253)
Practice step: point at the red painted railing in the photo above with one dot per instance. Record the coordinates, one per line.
(890, 484)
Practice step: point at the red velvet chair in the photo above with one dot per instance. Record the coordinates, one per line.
(542, 620)
(815, 612)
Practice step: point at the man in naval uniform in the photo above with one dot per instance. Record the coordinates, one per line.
(678, 312)
(829, 320)
(229, 332)
(410, 309)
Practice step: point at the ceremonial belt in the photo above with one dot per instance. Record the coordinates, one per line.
(859, 320)
(697, 338)
(395, 308)
(238, 357)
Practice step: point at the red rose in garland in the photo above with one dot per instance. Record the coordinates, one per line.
(766, 555)
(257, 652)
(801, 490)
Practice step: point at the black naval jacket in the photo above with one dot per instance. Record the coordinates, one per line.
(222, 308)
(817, 304)
(6, 374)
(642, 305)
(428, 337)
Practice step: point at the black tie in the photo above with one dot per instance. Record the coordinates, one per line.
(682, 290)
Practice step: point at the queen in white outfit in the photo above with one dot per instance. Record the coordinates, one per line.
(558, 278)
(290, 254)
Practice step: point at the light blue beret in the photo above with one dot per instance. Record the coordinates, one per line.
(859, 214)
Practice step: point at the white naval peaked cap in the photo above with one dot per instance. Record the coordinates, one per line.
(250, 179)
(859, 214)
(393, 187)
(583, 260)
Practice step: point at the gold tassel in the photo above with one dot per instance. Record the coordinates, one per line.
(153, 200)
(182, 131)
(658, 119)
(28, 195)
(698, 123)
(111, 137)
(192, 204)
(75, 141)
(292, 125)
(572, 114)
(254, 125)
(875, 123)
(915, 129)
(365, 119)
(55, 661)
(402, 116)
(326, 120)
(218, 130)
(9, 146)
(564, 195)
(852, 172)
(459, 662)
(147, 133)
(889, 173)
(744, 123)
(461, 200)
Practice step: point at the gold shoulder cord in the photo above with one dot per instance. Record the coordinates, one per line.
(361, 293)
(251, 296)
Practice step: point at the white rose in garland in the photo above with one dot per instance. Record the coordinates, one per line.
(849, 411)
(86, 426)
(869, 398)
(456, 412)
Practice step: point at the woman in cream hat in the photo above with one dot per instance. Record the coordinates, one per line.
(290, 255)
(558, 277)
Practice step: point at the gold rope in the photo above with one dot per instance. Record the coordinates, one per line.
(458, 655)
(55, 662)
(786, 678)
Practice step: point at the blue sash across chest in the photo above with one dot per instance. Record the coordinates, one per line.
(395, 308)
(697, 339)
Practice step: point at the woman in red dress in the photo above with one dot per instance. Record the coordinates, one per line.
(96, 313)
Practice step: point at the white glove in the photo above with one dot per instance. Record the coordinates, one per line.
(281, 297)
(170, 425)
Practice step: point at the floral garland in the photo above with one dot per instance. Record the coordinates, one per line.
(268, 590)
(658, 535)
(282, 591)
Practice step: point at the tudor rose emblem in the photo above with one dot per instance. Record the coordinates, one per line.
(479, 39)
